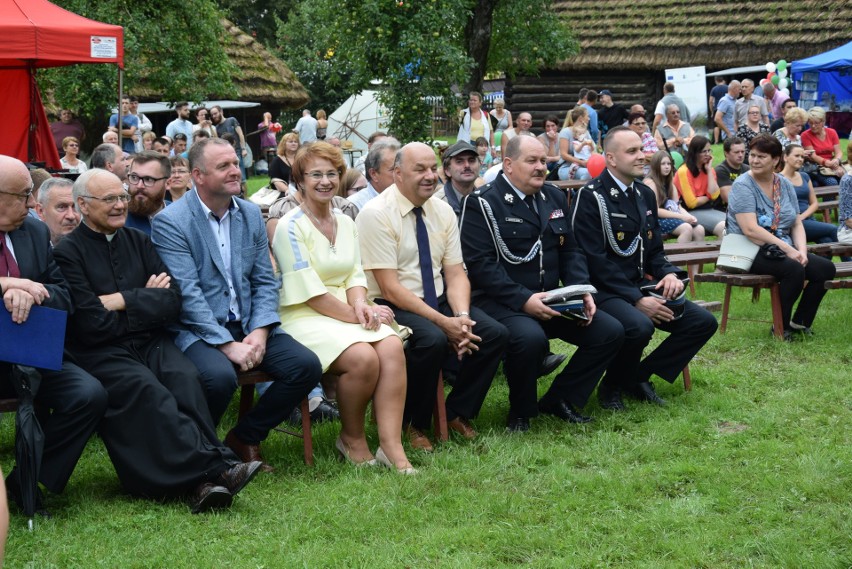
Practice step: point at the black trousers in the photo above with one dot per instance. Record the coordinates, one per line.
(74, 403)
(426, 352)
(293, 368)
(157, 428)
(529, 342)
(686, 337)
(792, 276)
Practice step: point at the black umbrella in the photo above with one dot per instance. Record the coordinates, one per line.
(29, 438)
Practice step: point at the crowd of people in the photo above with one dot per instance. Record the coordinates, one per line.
(364, 285)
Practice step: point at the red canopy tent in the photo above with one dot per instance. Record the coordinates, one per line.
(33, 34)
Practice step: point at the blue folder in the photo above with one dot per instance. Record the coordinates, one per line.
(38, 342)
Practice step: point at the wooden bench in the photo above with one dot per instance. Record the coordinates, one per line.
(826, 192)
(827, 208)
(712, 306)
(676, 248)
(694, 263)
(247, 381)
(842, 277)
(755, 282)
(569, 184)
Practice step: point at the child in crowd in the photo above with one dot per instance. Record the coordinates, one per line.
(485, 160)
(584, 146)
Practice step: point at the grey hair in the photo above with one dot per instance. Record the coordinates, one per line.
(80, 188)
(103, 154)
(377, 154)
(48, 185)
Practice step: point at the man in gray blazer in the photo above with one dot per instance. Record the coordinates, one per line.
(215, 245)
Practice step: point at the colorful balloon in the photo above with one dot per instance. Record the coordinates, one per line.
(786, 91)
(783, 73)
(770, 76)
(782, 64)
(677, 157)
(782, 84)
(770, 67)
(596, 165)
(775, 80)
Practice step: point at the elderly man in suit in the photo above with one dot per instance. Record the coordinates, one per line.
(621, 256)
(215, 245)
(29, 276)
(518, 244)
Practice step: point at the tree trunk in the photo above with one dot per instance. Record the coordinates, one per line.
(477, 33)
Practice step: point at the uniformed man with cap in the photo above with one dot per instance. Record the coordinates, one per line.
(615, 223)
(517, 244)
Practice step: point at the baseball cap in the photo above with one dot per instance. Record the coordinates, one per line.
(606, 92)
(459, 148)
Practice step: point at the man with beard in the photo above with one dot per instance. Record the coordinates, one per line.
(55, 207)
(181, 124)
(147, 186)
(231, 126)
(616, 227)
(518, 244)
(157, 428)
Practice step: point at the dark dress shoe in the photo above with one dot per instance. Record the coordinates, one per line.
(563, 410)
(325, 411)
(550, 363)
(610, 398)
(295, 417)
(518, 425)
(246, 452)
(462, 427)
(209, 496)
(236, 477)
(645, 392)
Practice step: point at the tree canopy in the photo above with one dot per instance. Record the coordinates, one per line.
(171, 46)
(415, 49)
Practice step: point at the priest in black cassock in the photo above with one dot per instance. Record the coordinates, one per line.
(157, 428)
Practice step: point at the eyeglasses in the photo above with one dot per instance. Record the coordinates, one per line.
(754, 112)
(25, 196)
(357, 188)
(110, 200)
(147, 181)
(179, 171)
(317, 176)
(73, 145)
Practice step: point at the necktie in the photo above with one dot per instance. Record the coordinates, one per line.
(425, 253)
(530, 201)
(8, 266)
(630, 191)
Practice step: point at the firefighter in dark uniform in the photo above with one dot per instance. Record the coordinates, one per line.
(615, 223)
(517, 243)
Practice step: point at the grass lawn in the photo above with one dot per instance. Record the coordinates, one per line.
(750, 469)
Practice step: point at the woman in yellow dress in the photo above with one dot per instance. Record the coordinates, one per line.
(324, 306)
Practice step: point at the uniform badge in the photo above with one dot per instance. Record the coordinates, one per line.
(620, 236)
(650, 234)
(614, 193)
(556, 214)
(514, 220)
(561, 240)
(509, 198)
(648, 213)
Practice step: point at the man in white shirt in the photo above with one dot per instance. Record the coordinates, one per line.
(306, 127)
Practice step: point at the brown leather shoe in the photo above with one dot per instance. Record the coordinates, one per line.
(462, 427)
(246, 452)
(209, 496)
(236, 477)
(418, 440)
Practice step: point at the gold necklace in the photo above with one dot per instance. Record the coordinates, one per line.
(333, 239)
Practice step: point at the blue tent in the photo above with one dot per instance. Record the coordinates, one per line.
(825, 79)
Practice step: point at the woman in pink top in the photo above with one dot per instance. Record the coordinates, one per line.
(826, 149)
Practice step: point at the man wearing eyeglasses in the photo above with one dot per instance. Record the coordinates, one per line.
(157, 428)
(146, 183)
(29, 276)
(216, 247)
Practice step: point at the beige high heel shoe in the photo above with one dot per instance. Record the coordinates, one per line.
(383, 459)
(343, 455)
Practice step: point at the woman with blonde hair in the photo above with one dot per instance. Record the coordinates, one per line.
(322, 124)
(281, 167)
(673, 219)
(573, 167)
(324, 304)
(69, 162)
(825, 146)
